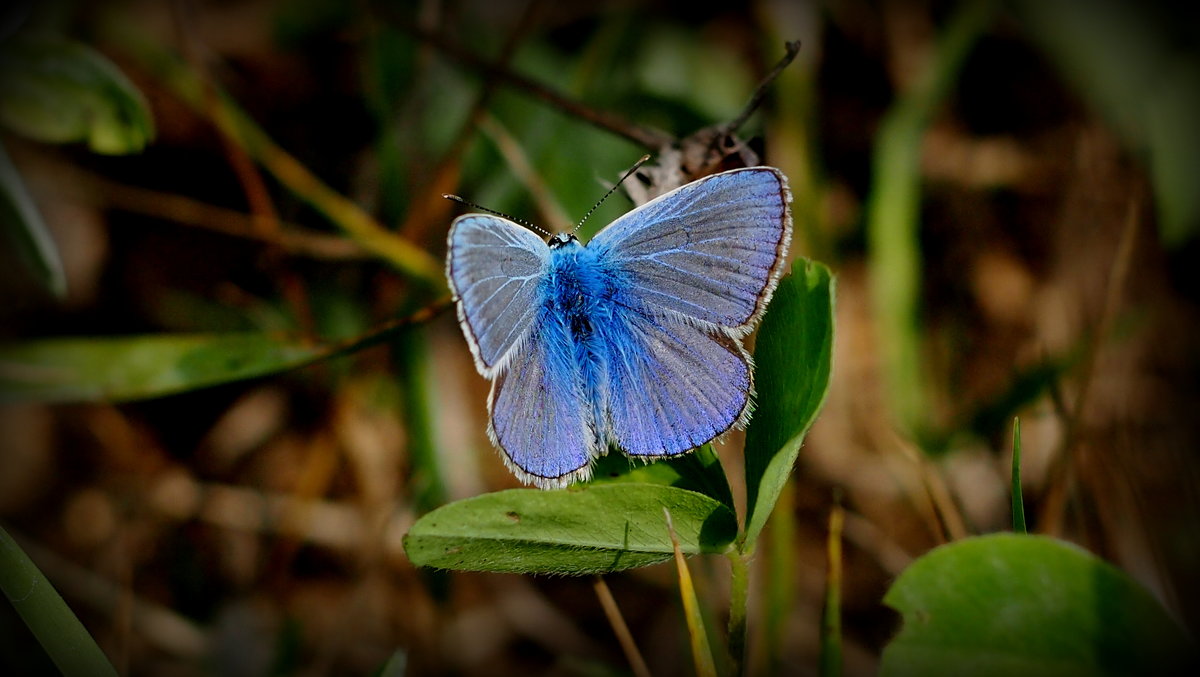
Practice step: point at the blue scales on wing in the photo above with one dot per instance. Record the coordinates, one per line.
(540, 419)
(496, 269)
(710, 251)
(673, 387)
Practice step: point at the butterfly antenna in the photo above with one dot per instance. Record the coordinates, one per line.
(523, 222)
(634, 168)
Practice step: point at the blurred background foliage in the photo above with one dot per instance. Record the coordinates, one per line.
(201, 195)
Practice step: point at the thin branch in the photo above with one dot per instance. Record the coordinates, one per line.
(792, 49)
(523, 170)
(648, 137)
(1050, 518)
(87, 188)
(444, 176)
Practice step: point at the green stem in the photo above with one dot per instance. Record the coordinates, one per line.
(738, 595)
(48, 617)
(411, 353)
(893, 215)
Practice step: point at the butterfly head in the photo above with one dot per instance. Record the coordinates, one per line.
(561, 240)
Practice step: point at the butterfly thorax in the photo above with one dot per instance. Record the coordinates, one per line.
(579, 291)
(580, 297)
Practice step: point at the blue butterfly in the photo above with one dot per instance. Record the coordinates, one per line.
(634, 340)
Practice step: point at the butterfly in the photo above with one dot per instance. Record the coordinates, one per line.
(633, 340)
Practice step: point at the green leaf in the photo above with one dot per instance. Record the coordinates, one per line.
(26, 232)
(793, 353)
(579, 530)
(60, 91)
(893, 214)
(48, 617)
(1010, 604)
(1137, 65)
(699, 471)
(137, 367)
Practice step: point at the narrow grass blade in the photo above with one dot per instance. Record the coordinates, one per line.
(831, 619)
(780, 576)
(48, 617)
(96, 369)
(21, 224)
(1018, 501)
(620, 628)
(702, 654)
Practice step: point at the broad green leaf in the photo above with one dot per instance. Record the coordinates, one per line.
(138, 367)
(793, 356)
(1010, 604)
(60, 91)
(698, 471)
(48, 617)
(25, 231)
(579, 530)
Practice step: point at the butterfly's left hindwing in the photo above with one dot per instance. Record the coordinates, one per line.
(497, 271)
(539, 418)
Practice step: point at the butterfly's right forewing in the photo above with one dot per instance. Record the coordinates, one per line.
(496, 269)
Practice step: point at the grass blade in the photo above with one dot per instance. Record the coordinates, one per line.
(702, 654)
(1018, 500)
(22, 225)
(831, 619)
(48, 617)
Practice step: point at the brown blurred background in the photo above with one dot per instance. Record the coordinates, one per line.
(254, 528)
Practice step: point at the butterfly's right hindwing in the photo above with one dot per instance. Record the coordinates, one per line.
(496, 269)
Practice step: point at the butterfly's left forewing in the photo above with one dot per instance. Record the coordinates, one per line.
(496, 269)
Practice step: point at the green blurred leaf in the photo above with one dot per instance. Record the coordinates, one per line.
(1010, 604)
(700, 471)
(138, 367)
(579, 530)
(793, 354)
(60, 91)
(1138, 64)
(48, 617)
(26, 232)
(893, 218)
